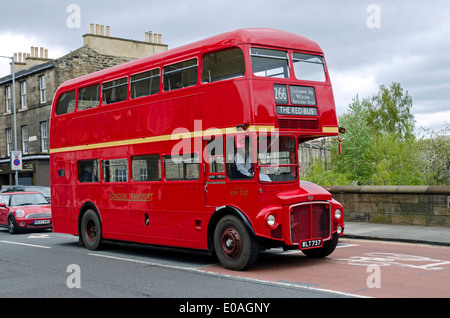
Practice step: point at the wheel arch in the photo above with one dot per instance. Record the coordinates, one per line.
(86, 206)
(217, 215)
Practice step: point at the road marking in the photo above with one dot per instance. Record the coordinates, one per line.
(342, 245)
(389, 259)
(247, 279)
(39, 236)
(24, 244)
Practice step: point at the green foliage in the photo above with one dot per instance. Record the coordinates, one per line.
(379, 147)
(435, 155)
(319, 175)
(390, 112)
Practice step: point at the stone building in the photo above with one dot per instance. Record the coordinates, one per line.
(36, 79)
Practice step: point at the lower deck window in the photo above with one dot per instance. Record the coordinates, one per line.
(185, 167)
(115, 170)
(88, 171)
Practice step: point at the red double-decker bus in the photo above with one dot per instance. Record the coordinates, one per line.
(197, 147)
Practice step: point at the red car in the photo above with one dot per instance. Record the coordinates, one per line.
(24, 210)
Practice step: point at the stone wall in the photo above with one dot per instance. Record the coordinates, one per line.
(406, 205)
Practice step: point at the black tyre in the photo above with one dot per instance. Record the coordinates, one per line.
(327, 248)
(91, 230)
(12, 225)
(235, 247)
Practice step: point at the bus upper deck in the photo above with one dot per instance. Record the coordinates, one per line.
(233, 79)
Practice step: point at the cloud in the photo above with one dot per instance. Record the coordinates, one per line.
(410, 47)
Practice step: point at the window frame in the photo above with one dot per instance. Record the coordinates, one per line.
(144, 157)
(183, 70)
(296, 60)
(44, 136)
(80, 94)
(8, 98)
(140, 80)
(286, 68)
(209, 54)
(23, 94)
(68, 108)
(96, 168)
(117, 87)
(109, 177)
(192, 156)
(24, 132)
(42, 89)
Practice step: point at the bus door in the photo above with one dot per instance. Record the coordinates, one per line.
(214, 168)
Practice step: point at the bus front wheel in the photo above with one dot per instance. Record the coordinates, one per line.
(235, 247)
(91, 230)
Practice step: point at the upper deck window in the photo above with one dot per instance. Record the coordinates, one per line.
(144, 84)
(66, 103)
(180, 75)
(89, 97)
(219, 66)
(309, 67)
(270, 63)
(115, 91)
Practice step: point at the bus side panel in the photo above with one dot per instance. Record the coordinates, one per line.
(64, 219)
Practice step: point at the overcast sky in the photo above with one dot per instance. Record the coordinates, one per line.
(366, 42)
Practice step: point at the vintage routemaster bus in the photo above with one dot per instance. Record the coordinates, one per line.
(197, 147)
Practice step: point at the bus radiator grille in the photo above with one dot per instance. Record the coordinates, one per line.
(309, 221)
(298, 124)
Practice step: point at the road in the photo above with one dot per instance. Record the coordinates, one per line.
(48, 264)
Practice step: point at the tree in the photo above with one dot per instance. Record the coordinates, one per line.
(390, 111)
(355, 159)
(435, 155)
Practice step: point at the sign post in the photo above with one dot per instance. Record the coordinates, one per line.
(16, 160)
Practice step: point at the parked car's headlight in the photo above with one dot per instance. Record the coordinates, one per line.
(20, 213)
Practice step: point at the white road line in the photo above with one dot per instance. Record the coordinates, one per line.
(248, 279)
(24, 244)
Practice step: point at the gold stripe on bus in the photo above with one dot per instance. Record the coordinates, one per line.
(330, 129)
(173, 136)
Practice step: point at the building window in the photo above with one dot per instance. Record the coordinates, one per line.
(23, 94)
(42, 89)
(44, 136)
(8, 141)
(25, 140)
(8, 98)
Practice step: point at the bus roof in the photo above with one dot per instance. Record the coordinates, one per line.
(262, 36)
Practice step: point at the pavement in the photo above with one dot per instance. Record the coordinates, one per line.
(399, 233)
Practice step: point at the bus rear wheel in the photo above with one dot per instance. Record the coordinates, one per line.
(235, 247)
(91, 230)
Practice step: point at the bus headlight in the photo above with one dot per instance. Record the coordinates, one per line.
(337, 214)
(271, 220)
